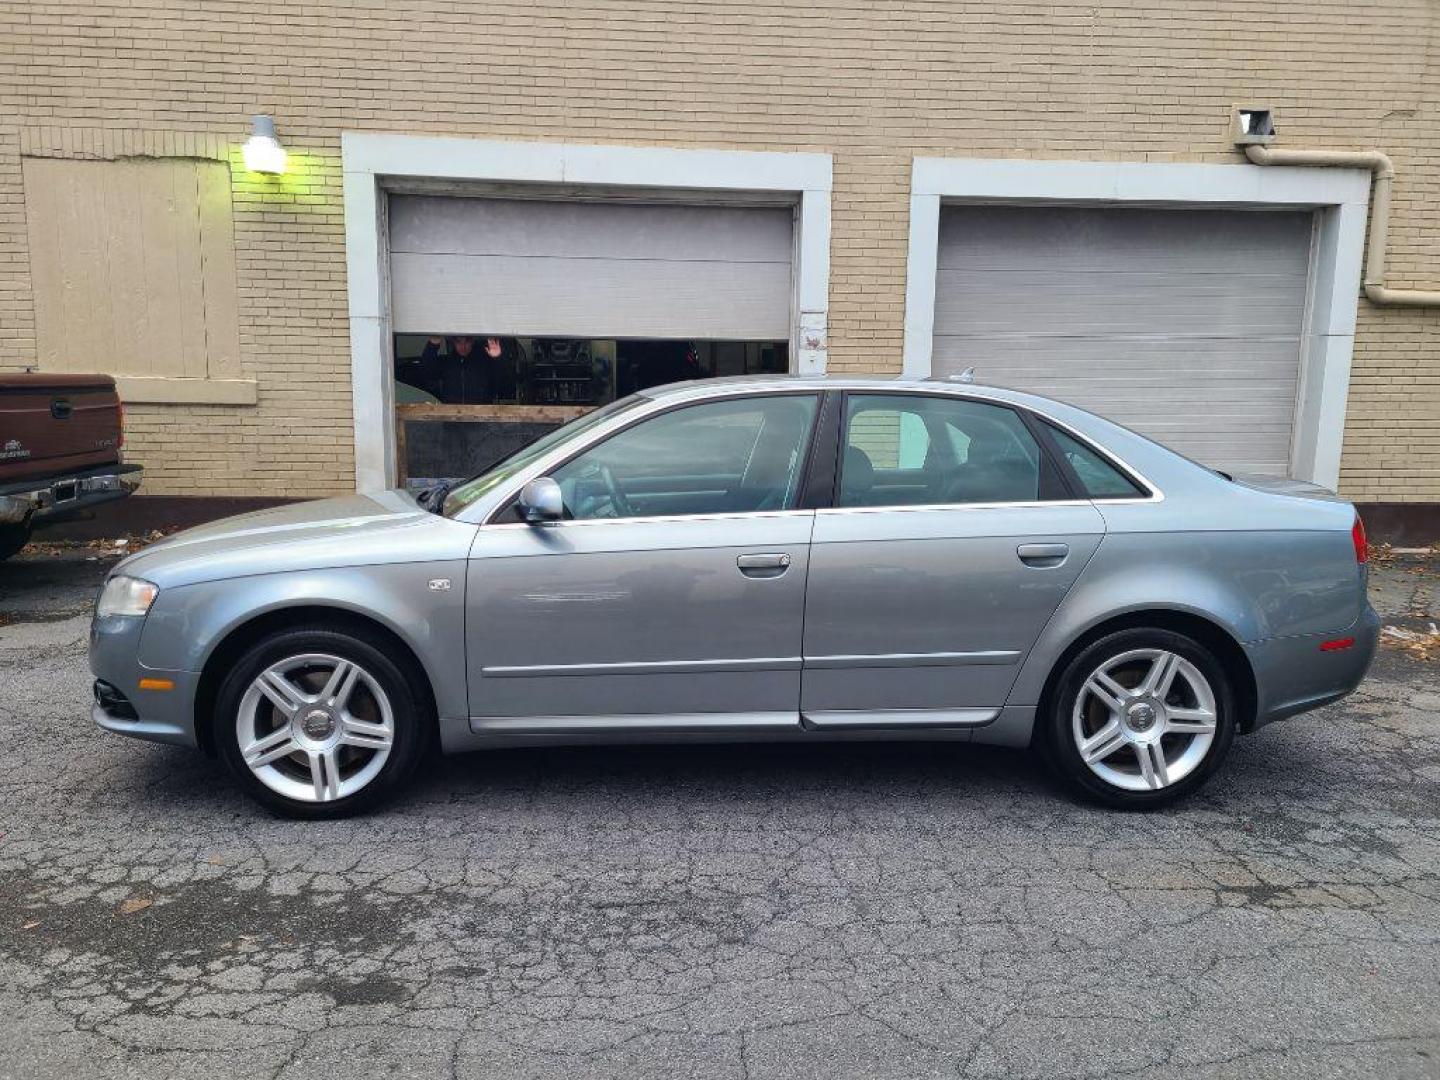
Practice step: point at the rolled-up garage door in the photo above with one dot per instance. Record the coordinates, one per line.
(589, 269)
(1185, 325)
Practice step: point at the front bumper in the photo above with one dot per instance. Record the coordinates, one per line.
(1293, 675)
(166, 716)
(57, 497)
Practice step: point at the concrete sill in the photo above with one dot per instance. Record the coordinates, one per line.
(138, 389)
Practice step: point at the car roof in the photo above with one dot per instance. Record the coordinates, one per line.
(699, 388)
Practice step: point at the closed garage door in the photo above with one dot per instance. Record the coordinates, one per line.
(1185, 325)
(589, 269)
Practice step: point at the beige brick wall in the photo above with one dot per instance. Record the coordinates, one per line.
(872, 83)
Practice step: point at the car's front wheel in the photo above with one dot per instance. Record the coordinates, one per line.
(1139, 719)
(318, 722)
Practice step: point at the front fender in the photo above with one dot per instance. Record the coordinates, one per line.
(187, 623)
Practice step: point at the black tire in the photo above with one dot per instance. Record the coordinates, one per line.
(1056, 738)
(13, 537)
(413, 726)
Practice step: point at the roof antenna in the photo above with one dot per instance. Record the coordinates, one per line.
(966, 376)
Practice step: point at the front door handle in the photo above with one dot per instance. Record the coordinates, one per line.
(1043, 555)
(763, 566)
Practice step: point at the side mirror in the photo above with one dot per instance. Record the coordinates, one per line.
(541, 502)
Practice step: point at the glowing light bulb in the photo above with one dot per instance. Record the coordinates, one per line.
(263, 152)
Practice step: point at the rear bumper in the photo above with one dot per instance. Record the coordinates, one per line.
(1293, 675)
(55, 497)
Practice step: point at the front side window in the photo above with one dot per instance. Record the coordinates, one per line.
(495, 474)
(911, 450)
(744, 455)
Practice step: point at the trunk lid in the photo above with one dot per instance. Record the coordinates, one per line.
(55, 424)
(1283, 485)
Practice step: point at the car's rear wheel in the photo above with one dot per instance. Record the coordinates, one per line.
(1139, 719)
(319, 722)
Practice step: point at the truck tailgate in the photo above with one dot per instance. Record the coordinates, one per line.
(55, 424)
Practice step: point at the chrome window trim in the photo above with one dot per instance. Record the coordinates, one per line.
(482, 512)
(933, 507)
(489, 507)
(1155, 494)
(652, 519)
(1125, 469)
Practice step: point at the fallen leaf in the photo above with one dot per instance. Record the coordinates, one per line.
(134, 904)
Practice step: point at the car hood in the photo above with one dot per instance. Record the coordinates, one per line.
(353, 530)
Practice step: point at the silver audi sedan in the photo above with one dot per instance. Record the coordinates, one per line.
(756, 559)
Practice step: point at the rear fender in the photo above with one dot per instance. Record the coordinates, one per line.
(1254, 586)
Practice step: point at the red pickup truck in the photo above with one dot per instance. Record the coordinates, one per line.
(61, 440)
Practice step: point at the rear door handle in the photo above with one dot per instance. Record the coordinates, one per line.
(763, 566)
(1043, 555)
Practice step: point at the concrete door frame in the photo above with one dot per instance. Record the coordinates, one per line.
(371, 162)
(1338, 197)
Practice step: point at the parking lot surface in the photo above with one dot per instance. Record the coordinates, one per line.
(842, 911)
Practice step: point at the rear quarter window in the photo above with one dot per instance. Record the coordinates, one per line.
(1099, 478)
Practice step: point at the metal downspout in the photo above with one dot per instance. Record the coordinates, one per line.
(1384, 170)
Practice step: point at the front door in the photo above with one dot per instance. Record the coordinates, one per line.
(671, 597)
(951, 543)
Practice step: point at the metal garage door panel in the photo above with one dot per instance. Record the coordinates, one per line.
(1159, 304)
(1185, 325)
(495, 294)
(1070, 238)
(511, 266)
(1252, 388)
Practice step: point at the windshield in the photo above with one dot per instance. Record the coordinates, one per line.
(463, 495)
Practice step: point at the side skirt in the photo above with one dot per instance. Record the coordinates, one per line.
(1009, 726)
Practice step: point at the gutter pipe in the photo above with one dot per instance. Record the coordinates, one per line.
(1384, 170)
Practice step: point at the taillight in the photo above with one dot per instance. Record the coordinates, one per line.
(1362, 547)
(120, 415)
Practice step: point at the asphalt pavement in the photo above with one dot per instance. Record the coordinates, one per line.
(845, 911)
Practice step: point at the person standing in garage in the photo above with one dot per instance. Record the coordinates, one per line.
(463, 374)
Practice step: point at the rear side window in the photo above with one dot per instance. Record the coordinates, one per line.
(1099, 478)
(912, 450)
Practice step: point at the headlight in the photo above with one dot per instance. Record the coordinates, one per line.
(126, 596)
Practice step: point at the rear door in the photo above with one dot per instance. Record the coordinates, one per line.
(952, 540)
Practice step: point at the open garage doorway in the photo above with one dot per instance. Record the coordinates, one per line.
(513, 315)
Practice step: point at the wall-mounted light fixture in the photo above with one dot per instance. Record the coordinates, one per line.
(263, 152)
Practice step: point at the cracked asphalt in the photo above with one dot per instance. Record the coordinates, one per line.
(853, 911)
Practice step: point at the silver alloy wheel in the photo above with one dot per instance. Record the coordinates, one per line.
(1144, 720)
(315, 727)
